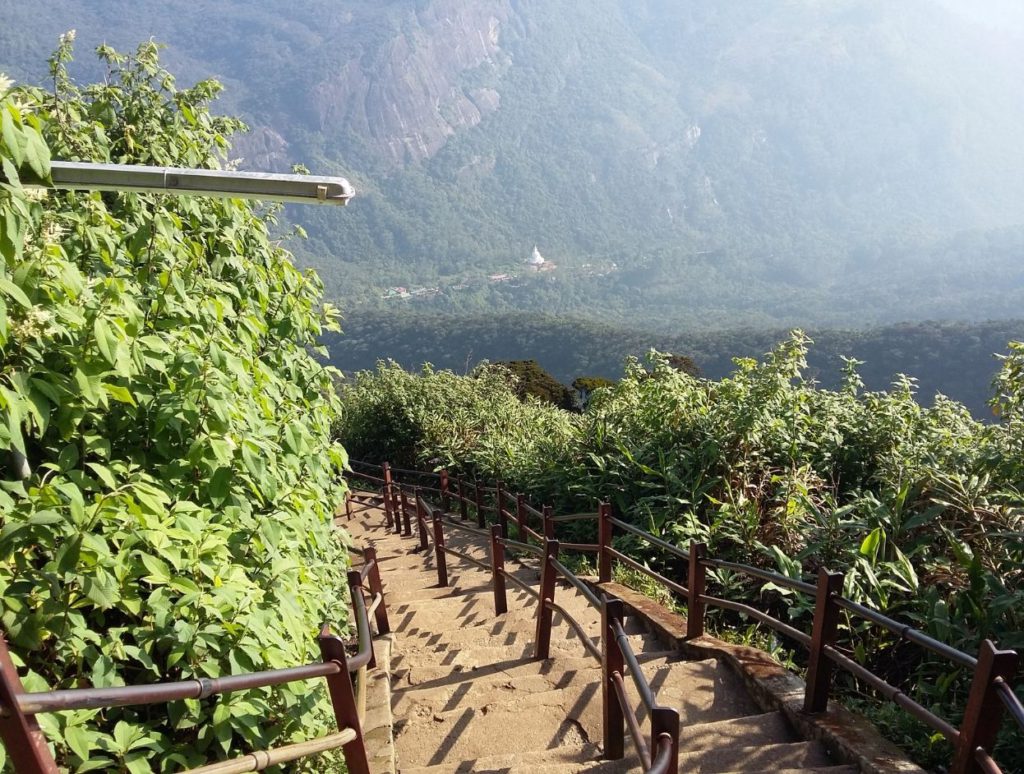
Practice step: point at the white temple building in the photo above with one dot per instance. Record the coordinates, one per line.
(536, 260)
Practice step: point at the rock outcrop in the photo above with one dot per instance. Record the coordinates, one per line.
(432, 77)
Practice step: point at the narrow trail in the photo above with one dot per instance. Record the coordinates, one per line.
(467, 695)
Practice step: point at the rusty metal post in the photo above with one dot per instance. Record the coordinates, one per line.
(348, 507)
(446, 497)
(984, 708)
(479, 505)
(498, 570)
(604, 559)
(826, 621)
(377, 587)
(389, 497)
(521, 516)
(463, 509)
(21, 735)
(698, 579)
(343, 699)
(421, 519)
(549, 525)
(614, 722)
(406, 515)
(547, 594)
(665, 722)
(499, 508)
(439, 555)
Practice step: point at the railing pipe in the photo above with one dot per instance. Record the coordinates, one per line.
(826, 622)
(547, 594)
(604, 559)
(647, 536)
(984, 710)
(549, 524)
(613, 719)
(520, 515)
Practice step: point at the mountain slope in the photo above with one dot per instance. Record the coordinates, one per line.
(790, 139)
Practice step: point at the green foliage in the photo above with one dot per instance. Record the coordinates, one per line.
(955, 359)
(167, 507)
(531, 379)
(920, 507)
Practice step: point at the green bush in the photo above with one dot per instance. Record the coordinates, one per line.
(921, 508)
(168, 502)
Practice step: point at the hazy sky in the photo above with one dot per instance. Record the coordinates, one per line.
(1002, 14)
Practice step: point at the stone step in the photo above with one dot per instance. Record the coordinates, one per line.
(474, 732)
(587, 758)
(432, 675)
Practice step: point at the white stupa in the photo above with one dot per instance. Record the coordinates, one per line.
(536, 259)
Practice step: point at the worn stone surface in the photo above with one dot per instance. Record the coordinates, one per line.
(468, 695)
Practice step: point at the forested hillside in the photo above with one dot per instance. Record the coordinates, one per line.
(955, 359)
(785, 164)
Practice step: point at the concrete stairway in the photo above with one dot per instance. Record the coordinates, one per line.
(467, 696)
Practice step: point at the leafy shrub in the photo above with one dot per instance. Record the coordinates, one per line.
(921, 508)
(167, 509)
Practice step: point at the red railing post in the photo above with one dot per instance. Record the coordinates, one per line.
(377, 587)
(547, 595)
(698, 578)
(499, 509)
(479, 505)
(421, 518)
(406, 515)
(387, 490)
(463, 509)
(355, 589)
(984, 710)
(826, 621)
(20, 733)
(614, 722)
(549, 525)
(343, 699)
(348, 507)
(439, 555)
(665, 722)
(604, 559)
(446, 498)
(498, 570)
(521, 516)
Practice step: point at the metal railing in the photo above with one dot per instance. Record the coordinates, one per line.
(346, 677)
(991, 695)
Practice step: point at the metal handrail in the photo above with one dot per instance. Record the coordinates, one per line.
(908, 633)
(1010, 701)
(664, 759)
(738, 607)
(574, 517)
(264, 759)
(618, 682)
(642, 686)
(629, 561)
(767, 575)
(662, 544)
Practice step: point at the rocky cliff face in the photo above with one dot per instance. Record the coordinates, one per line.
(433, 76)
